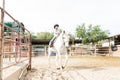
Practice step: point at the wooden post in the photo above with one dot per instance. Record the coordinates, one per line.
(45, 47)
(1, 4)
(109, 46)
(0, 46)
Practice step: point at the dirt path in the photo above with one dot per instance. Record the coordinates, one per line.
(78, 68)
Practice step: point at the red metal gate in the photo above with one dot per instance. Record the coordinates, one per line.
(15, 43)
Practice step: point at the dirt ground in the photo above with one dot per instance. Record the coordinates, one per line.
(78, 68)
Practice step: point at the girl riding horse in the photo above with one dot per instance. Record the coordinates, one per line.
(57, 32)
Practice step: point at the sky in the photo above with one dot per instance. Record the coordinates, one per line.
(41, 15)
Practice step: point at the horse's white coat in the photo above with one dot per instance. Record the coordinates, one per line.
(60, 46)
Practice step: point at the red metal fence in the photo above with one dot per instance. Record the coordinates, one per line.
(15, 44)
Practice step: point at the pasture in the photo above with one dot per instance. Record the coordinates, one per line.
(78, 68)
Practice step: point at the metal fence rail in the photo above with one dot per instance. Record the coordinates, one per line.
(15, 44)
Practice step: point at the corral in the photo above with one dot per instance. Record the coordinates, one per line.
(15, 58)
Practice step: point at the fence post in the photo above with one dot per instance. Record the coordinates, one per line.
(46, 50)
(0, 44)
(2, 4)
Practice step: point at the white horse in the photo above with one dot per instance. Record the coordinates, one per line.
(60, 45)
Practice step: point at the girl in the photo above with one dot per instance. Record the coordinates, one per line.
(57, 32)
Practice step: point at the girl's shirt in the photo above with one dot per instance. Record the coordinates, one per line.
(57, 32)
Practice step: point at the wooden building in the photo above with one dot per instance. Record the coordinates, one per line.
(116, 44)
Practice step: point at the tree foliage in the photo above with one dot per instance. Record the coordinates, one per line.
(80, 31)
(91, 34)
(33, 36)
(43, 36)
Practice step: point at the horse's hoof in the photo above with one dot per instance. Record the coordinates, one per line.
(58, 68)
(63, 67)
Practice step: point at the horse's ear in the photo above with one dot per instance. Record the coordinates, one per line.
(63, 31)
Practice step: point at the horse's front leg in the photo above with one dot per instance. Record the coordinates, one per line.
(66, 59)
(58, 60)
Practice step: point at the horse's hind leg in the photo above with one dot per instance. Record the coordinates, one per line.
(66, 60)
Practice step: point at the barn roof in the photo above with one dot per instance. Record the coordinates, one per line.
(46, 42)
(114, 36)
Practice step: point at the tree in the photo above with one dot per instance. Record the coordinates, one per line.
(80, 31)
(33, 36)
(44, 35)
(91, 34)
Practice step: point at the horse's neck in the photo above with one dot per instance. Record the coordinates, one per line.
(59, 40)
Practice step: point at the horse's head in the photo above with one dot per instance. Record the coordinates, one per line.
(66, 38)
